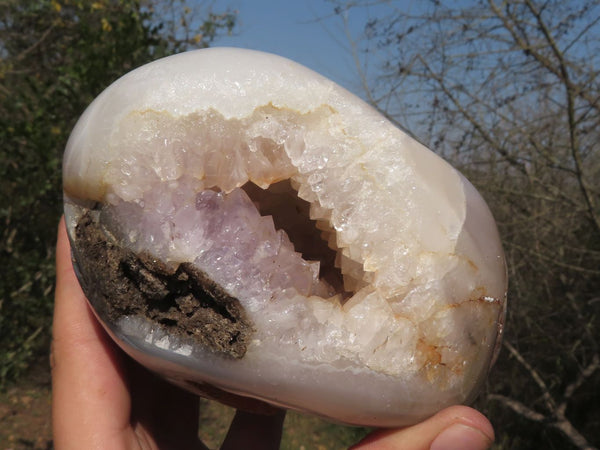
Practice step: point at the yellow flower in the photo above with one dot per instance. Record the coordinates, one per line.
(106, 26)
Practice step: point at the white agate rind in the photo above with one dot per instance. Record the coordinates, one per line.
(416, 243)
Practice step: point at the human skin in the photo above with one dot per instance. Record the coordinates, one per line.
(103, 400)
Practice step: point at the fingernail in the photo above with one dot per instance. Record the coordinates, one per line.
(461, 437)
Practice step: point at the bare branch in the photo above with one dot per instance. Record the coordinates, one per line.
(36, 44)
(572, 387)
(469, 116)
(518, 407)
(575, 436)
(564, 425)
(549, 401)
(570, 92)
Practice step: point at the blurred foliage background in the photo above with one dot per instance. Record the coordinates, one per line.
(509, 91)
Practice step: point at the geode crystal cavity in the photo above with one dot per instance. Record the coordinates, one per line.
(250, 230)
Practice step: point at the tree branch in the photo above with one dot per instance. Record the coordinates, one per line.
(570, 93)
(518, 407)
(549, 401)
(36, 44)
(581, 378)
(472, 120)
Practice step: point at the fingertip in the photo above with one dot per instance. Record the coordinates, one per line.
(460, 436)
(454, 427)
(71, 314)
(470, 417)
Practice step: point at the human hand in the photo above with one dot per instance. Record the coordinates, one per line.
(104, 400)
(454, 428)
(101, 399)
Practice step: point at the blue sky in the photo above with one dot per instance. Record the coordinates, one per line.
(303, 30)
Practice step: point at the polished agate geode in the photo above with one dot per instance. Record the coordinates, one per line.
(252, 231)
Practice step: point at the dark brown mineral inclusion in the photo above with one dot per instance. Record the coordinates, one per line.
(181, 298)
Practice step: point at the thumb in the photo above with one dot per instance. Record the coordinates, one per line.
(457, 427)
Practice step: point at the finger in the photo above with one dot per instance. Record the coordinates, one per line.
(457, 427)
(91, 405)
(166, 412)
(254, 431)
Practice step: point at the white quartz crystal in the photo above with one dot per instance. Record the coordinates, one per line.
(166, 151)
